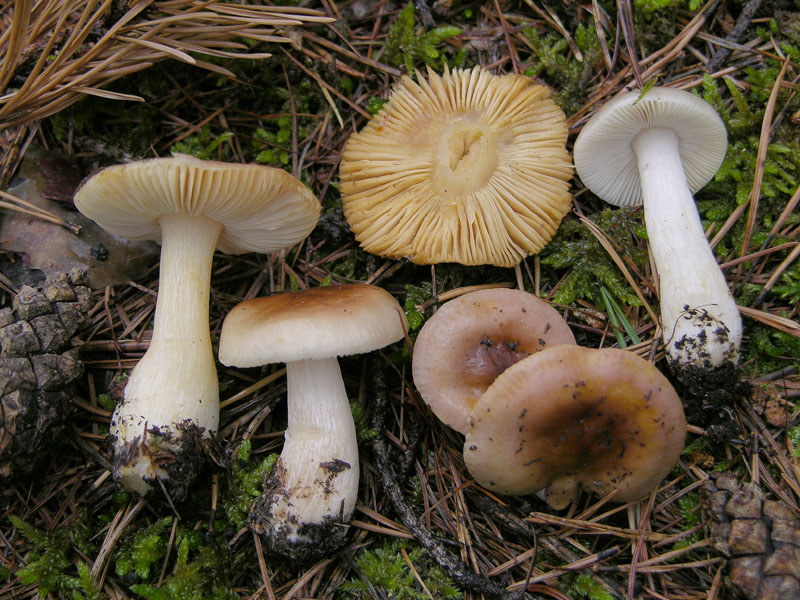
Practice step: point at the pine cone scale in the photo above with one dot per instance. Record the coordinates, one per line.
(39, 362)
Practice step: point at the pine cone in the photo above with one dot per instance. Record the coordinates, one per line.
(760, 537)
(38, 364)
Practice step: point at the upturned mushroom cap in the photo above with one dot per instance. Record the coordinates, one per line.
(466, 167)
(262, 209)
(323, 322)
(472, 339)
(603, 152)
(570, 417)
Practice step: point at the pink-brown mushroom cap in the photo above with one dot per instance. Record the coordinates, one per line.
(471, 339)
(570, 417)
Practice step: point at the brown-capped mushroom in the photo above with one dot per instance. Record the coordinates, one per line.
(570, 418)
(311, 492)
(472, 339)
(465, 167)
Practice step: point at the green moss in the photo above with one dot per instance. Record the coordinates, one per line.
(204, 145)
(789, 286)
(51, 566)
(375, 104)
(770, 349)
(554, 62)
(405, 46)
(743, 115)
(242, 485)
(691, 517)
(583, 585)
(651, 6)
(794, 438)
(416, 295)
(364, 433)
(201, 572)
(589, 267)
(384, 570)
(146, 548)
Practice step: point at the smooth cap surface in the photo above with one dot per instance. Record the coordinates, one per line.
(571, 417)
(262, 209)
(335, 320)
(471, 339)
(605, 160)
(465, 167)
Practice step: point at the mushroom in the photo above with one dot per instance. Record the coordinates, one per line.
(471, 339)
(656, 149)
(311, 491)
(570, 417)
(466, 167)
(191, 207)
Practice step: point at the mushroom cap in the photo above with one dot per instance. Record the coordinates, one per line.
(472, 339)
(603, 152)
(570, 417)
(262, 209)
(323, 322)
(466, 167)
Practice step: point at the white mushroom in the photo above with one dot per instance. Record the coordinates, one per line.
(311, 491)
(657, 149)
(191, 207)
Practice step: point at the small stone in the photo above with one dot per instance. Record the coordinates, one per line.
(748, 536)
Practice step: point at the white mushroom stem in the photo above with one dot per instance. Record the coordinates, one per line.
(315, 482)
(700, 320)
(175, 382)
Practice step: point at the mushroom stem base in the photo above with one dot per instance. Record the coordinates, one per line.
(172, 458)
(310, 494)
(290, 537)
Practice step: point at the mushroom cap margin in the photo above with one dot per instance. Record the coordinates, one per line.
(570, 417)
(315, 323)
(471, 339)
(603, 153)
(261, 208)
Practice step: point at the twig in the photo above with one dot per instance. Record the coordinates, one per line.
(742, 23)
(455, 567)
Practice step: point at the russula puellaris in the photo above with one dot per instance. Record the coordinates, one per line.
(311, 491)
(657, 149)
(465, 167)
(471, 339)
(570, 418)
(191, 207)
